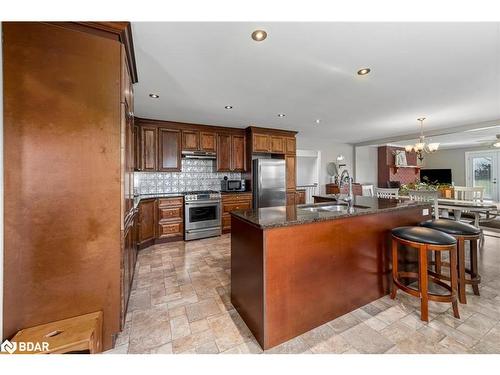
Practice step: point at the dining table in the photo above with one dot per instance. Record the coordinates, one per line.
(476, 208)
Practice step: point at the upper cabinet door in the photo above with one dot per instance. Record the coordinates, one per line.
(208, 142)
(290, 145)
(238, 154)
(277, 144)
(261, 143)
(190, 140)
(169, 155)
(223, 153)
(148, 147)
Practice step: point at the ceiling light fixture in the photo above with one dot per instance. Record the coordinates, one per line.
(364, 71)
(281, 115)
(259, 35)
(318, 121)
(228, 107)
(422, 146)
(154, 96)
(497, 143)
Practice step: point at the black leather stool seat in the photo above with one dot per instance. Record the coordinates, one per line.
(453, 227)
(424, 235)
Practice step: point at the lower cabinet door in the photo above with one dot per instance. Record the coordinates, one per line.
(147, 209)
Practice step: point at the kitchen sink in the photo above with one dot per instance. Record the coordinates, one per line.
(330, 208)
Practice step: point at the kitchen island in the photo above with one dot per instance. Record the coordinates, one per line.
(295, 268)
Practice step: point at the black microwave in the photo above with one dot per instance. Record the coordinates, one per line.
(232, 185)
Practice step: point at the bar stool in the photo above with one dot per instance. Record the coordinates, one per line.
(425, 240)
(462, 232)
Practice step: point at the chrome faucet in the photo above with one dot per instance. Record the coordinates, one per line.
(344, 177)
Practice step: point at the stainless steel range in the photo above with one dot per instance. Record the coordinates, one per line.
(202, 214)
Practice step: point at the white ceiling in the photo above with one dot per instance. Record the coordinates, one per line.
(449, 72)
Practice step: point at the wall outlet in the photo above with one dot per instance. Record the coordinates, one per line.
(425, 212)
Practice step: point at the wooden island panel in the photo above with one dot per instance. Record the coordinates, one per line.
(288, 280)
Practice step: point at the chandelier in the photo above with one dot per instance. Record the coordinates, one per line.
(422, 146)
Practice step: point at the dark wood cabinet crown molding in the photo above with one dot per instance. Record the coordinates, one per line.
(120, 31)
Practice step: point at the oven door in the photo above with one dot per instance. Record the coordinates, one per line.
(202, 214)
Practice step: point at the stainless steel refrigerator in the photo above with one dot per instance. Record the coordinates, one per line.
(269, 183)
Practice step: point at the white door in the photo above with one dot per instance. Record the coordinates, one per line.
(483, 169)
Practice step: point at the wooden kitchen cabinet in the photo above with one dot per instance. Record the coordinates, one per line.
(148, 148)
(300, 197)
(137, 148)
(190, 140)
(208, 141)
(146, 222)
(261, 143)
(290, 172)
(277, 144)
(231, 153)
(238, 153)
(290, 145)
(223, 153)
(170, 218)
(129, 259)
(232, 202)
(169, 150)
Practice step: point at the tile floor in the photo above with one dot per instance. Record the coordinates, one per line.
(180, 303)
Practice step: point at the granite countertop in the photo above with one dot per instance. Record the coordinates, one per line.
(272, 217)
(139, 197)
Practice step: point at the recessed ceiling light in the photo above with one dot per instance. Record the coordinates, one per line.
(154, 96)
(364, 71)
(228, 107)
(281, 115)
(259, 35)
(318, 121)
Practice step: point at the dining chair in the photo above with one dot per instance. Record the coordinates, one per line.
(468, 193)
(426, 196)
(387, 193)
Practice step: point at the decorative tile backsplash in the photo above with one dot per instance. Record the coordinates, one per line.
(197, 174)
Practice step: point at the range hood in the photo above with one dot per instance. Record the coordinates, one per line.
(199, 155)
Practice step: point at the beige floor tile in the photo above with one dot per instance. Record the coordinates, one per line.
(202, 309)
(180, 303)
(335, 344)
(477, 325)
(392, 315)
(366, 340)
(293, 346)
(179, 327)
(343, 323)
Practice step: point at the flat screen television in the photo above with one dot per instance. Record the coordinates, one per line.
(440, 176)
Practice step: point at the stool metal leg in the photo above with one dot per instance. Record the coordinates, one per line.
(454, 281)
(394, 267)
(461, 270)
(473, 265)
(422, 280)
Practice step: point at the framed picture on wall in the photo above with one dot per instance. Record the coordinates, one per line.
(400, 158)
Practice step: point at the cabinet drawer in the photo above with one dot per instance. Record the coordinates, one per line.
(228, 207)
(170, 202)
(166, 229)
(172, 213)
(236, 197)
